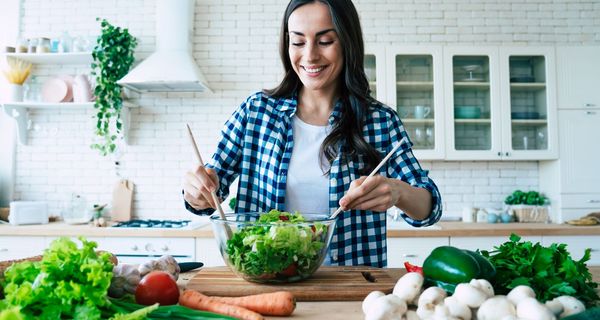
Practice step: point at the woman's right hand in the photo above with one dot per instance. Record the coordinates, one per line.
(197, 186)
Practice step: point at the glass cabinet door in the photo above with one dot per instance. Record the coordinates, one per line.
(414, 98)
(528, 105)
(472, 103)
(371, 72)
(374, 64)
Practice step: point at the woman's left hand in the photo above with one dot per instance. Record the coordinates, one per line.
(378, 193)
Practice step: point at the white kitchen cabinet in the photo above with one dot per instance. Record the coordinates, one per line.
(486, 243)
(573, 182)
(576, 245)
(20, 110)
(207, 252)
(415, 90)
(412, 250)
(16, 247)
(500, 103)
(578, 70)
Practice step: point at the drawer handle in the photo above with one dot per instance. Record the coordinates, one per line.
(590, 113)
(594, 250)
(594, 201)
(589, 105)
(410, 255)
(3, 249)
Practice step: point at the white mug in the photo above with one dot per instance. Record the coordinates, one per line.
(422, 112)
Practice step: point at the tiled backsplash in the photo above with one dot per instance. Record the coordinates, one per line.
(235, 44)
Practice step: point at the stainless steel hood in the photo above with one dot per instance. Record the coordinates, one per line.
(171, 67)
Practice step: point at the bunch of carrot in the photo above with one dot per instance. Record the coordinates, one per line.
(252, 307)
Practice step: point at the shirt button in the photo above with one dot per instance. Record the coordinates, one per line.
(335, 258)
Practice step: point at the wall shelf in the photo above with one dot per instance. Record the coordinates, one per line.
(53, 58)
(20, 112)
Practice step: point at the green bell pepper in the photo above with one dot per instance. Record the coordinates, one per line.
(447, 266)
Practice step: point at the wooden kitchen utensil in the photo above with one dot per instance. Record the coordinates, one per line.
(328, 283)
(381, 163)
(121, 200)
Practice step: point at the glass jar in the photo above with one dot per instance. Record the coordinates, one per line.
(32, 90)
(43, 45)
(31, 45)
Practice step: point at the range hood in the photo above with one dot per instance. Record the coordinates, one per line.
(171, 67)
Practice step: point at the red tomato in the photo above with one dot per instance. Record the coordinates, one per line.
(290, 271)
(157, 286)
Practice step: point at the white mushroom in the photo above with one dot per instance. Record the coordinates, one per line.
(531, 309)
(411, 315)
(369, 299)
(469, 295)
(555, 306)
(496, 308)
(441, 312)
(457, 309)
(388, 307)
(570, 305)
(408, 286)
(519, 293)
(484, 286)
(431, 297)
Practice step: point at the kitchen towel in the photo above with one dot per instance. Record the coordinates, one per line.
(121, 201)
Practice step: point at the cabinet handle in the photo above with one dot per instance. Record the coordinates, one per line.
(3, 249)
(507, 154)
(410, 255)
(589, 105)
(593, 250)
(593, 201)
(499, 154)
(589, 113)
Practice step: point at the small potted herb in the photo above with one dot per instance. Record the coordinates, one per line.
(530, 206)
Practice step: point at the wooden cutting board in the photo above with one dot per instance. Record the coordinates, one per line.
(328, 283)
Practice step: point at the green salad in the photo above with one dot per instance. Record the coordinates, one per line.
(279, 246)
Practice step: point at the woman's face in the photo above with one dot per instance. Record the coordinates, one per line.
(314, 47)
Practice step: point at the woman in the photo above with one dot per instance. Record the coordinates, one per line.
(308, 144)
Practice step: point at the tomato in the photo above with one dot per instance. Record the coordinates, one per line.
(157, 286)
(290, 271)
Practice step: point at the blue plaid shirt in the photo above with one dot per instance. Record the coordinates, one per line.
(257, 144)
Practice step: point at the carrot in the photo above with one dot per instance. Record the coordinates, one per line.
(280, 303)
(196, 300)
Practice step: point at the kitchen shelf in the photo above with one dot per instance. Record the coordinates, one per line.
(415, 85)
(473, 121)
(53, 58)
(418, 121)
(472, 85)
(20, 112)
(532, 86)
(529, 122)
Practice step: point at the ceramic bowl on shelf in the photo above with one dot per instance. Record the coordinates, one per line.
(467, 112)
(525, 115)
(287, 250)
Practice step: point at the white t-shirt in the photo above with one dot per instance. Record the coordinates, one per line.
(307, 187)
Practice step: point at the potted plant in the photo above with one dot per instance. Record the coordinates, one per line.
(112, 58)
(530, 206)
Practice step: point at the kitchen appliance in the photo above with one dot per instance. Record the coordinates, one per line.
(328, 283)
(160, 224)
(28, 212)
(171, 67)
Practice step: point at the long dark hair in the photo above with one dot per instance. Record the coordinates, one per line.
(353, 84)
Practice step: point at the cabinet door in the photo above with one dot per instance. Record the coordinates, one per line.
(207, 252)
(580, 150)
(416, 92)
(413, 250)
(576, 246)
(19, 247)
(472, 103)
(528, 114)
(578, 71)
(486, 243)
(375, 71)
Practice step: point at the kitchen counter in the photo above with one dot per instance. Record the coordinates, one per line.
(340, 310)
(446, 229)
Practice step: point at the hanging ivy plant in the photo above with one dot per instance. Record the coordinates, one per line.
(112, 58)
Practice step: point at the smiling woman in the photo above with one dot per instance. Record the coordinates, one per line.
(308, 144)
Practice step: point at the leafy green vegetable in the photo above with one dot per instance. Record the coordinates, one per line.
(69, 282)
(280, 245)
(549, 271)
(529, 198)
(126, 305)
(139, 314)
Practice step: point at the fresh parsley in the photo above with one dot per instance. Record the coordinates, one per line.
(549, 271)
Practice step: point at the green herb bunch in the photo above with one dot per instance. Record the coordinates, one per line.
(549, 271)
(113, 56)
(530, 198)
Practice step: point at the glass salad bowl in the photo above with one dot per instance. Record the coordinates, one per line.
(273, 247)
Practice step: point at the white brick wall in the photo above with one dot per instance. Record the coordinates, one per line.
(235, 43)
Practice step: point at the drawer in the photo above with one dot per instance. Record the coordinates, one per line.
(486, 243)
(12, 248)
(576, 246)
(584, 200)
(413, 250)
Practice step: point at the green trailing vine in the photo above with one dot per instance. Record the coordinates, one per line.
(112, 58)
